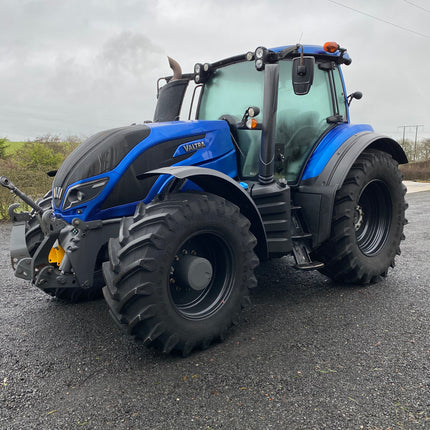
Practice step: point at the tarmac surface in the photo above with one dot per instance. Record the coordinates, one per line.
(308, 354)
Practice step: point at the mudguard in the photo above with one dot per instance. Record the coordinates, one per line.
(222, 185)
(316, 195)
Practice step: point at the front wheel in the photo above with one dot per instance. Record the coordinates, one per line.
(367, 223)
(180, 270)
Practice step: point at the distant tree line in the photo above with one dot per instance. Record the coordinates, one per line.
(416, 151)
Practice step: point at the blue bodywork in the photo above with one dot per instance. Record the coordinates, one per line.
(218, 153)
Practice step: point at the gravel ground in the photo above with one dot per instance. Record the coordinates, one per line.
(308, 354)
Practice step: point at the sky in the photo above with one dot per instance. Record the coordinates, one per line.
(76, 67)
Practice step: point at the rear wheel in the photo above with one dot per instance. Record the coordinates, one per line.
(34, 237)
(180, 271)
(368, 220)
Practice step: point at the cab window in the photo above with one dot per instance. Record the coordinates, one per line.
(231, 91)
(301, 120)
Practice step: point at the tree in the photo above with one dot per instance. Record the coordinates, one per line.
(408, 147)
(37, 156)
(425, 149)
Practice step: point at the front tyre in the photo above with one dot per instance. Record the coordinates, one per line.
(367, 223)
(180, 271)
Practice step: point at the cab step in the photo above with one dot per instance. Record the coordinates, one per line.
(301, 242)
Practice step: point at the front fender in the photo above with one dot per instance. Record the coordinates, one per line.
(221, 185)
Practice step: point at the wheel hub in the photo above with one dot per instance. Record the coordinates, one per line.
(193, 272)
(201, 276)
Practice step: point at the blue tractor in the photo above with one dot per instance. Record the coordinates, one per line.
(168, 219)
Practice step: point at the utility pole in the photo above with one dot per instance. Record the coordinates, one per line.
(416, 136)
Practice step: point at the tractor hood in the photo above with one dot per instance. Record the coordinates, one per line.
(108, 169)
(97, 155)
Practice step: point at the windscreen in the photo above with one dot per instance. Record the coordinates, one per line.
(231, 91)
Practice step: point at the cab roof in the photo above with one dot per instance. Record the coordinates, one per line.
(340, 55)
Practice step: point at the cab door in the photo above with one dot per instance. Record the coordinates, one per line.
(302, 120)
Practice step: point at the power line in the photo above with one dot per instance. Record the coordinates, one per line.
(417, 6)
(380, 19)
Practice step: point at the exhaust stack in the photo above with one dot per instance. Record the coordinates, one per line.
(177, 71)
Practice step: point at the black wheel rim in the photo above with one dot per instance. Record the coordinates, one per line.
(372, 217)
(202, 304)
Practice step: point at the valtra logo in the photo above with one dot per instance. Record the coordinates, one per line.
(194, 146)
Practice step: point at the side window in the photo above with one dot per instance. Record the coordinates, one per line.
(301, 120)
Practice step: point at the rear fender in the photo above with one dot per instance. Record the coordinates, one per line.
(316, 195)
(221, 185)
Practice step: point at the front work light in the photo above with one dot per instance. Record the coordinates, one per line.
(260, 58)
(202, 73)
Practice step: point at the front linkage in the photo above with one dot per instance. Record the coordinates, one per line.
(43, 248)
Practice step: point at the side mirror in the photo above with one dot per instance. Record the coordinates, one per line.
(357, 95)
(303, 74)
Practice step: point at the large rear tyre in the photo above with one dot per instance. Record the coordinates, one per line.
(180, 270)
(367, 223)
(34, 237)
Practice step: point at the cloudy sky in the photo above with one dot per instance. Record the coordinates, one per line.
(75, 67)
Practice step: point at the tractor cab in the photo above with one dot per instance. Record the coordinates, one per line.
(305, 94)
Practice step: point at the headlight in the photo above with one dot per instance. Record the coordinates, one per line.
(84, 192)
